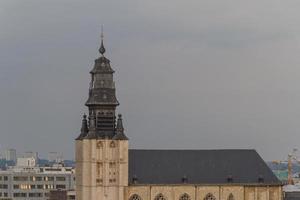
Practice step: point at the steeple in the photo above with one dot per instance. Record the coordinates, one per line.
(101, 148)
(102, 102)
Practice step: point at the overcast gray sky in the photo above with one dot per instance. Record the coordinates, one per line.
(200, 74)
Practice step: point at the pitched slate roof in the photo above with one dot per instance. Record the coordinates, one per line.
(198, 167)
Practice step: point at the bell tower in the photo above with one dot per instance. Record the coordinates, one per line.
(102, 146)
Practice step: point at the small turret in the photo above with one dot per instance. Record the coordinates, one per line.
(120, 130)
(92, 127)
(84, 128)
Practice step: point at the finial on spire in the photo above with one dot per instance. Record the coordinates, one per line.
(102, 49)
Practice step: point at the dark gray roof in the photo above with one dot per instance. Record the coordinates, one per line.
(199, 167)
(291, 195)
(100, 96)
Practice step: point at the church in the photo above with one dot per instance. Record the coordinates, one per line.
(106, 169)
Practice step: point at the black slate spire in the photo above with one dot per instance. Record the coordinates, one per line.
(120, 130)
(102, 102)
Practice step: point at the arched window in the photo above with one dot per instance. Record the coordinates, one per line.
(210, 196)
(230, 197)
(185, 196)
(112, 150)
(112, 145)
(135, 197)
(99, 145)
(160, 197)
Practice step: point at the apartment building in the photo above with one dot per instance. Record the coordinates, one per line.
(35, 183)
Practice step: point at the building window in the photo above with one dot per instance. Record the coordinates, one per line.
(112, 145)
(210, 196)
(35, 194)
(3, 186)
(99, 169)
(135, 197)
(60, 178)
(185, 196)
(99, 181)
(20, 195)
(40, 186)
(48, 186)
(160, 197)
(99, 145)
(5, 178)
(20, 178)
(230, 197)
(60, 186)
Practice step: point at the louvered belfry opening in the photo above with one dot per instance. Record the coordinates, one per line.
(105, 121)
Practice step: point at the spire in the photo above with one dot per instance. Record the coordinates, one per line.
(120, 130)
(92, 127)
(102, 100)
(102, 49)
(84, 128)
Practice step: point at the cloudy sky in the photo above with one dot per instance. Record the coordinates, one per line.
(200, 74)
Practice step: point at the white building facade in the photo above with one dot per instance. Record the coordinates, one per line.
(35, 183)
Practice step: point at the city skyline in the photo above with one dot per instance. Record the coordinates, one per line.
(224, 75)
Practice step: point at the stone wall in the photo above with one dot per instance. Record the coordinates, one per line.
(200, 192)
(101, 169)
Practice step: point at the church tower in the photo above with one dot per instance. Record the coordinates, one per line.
(102, 146)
